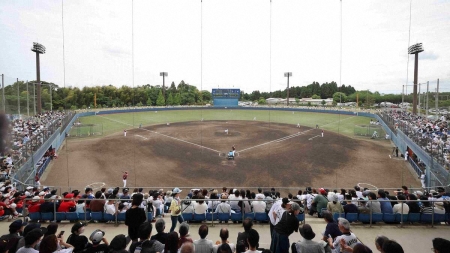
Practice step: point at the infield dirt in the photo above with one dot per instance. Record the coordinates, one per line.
(192, 154)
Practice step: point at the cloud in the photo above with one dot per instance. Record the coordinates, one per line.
(428, 56)
(116, 51)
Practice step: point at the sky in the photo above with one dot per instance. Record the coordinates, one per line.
(246, 44)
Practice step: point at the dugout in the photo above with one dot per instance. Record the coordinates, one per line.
(226, 97)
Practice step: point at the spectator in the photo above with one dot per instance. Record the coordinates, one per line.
(98, 204)
(253, 241)
(401, 207)
(359, 248)
(286, 226)
(225, 248)
(26, 230)
(15, 230)
(319, 202)
(68, 205)
(277, 210)
(391, 246)
(307, 245)
(413, 204)
(175, 209)
(347, 238)
(160, 236)
(332, 228)
(373, 203)
(79, 242)
(379, 241)
(96, 238)
(184, 233)
(349, 207)
(185, 248)
(118, 244)
(203, 245)
(258, 205)
(110, 206)
(171, 245)
(223, 207)
(223, 241)
(441, 245)
(31, 240)
(144, 233)
(134, 217)
(187, 206)
(242, 236)
(335, 206)
(363, 207)
(200, 206)
(385, 204)
(52, 244)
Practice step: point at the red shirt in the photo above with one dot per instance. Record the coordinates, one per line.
(35, 207)
(125, 176)
(64, 207)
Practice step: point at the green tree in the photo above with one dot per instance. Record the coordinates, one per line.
(177, 99)
(262, 101)
(160, 99)
(315, 96)
(297, 101)
(323, 102)
(170, 99)
(149, 101)
(338, 97)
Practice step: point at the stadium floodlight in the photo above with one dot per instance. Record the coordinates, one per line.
(38, 49)
(415, 50)
(287, 74)
(164, 74)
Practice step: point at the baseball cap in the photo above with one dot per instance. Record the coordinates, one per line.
(322, 191)
(17, 224)
(418, 193)
(97, 236)
(77, 226)
(35, 199)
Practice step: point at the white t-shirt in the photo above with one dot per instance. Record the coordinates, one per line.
(398, 208)
(200, 208)
(350, 240)
(251, 251)
(259, 206)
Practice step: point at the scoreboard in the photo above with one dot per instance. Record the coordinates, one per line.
(226, 93)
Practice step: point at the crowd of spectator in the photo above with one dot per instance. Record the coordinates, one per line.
(24, 237)
(26, 136)
(431, 135)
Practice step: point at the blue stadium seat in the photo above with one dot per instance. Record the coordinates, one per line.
(188, 216)
(249, 215)
(236, 217)
(60, 216)
(35, 216)
(426, 218)
(398, 217)
(301, 217)
(414, 217)
(199, 217)
(121, 217)
(211, 216)
(363, 217)
(108, 217)
(351, 217)
(377, 217)
(72, 216)
(84, 216)
(261, 217)
(438, 218)
(389, 217)
(223, 216)
(338, 215)
(98, 216)
(47, 216)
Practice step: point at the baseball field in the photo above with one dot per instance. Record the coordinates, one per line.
(188, 149)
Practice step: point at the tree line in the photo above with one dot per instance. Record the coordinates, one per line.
(109, 96)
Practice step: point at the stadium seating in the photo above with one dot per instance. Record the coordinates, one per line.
(398, 217)
(352, 217)
(34, 216)
(236, 217)
(211, 216)
(301, 217)
(84, 216)
(109, 217)
(47, 216)
(223, 216)
(121, 217)
(199, 217)
(262, 217)
(98, 216)
(60, 216)
(389, 217)
(414, 217)
(187, 216)
(72, 216)
(249, 215)
(338, 215)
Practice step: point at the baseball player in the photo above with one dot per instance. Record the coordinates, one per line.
(124, 178)
(125, 133)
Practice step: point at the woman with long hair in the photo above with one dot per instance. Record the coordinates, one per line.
(51, 244)
(175, 209)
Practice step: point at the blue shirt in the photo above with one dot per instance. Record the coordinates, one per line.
(386, 206)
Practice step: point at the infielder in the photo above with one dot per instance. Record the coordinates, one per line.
(124, 178)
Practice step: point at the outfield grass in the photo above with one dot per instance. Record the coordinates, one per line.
(112, 123)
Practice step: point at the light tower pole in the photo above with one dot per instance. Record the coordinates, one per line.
(287, 74)
(415, 50)
(164, 74)
(38, 49)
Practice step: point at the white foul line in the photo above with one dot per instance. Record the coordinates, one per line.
(164, 135)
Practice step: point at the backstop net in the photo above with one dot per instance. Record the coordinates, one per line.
(369, 131)
(85, 130)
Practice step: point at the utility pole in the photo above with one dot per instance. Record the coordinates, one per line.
(28, 102)
(18, 96)
(428, 86)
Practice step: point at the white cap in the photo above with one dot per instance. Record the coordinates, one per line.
(42, 193)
